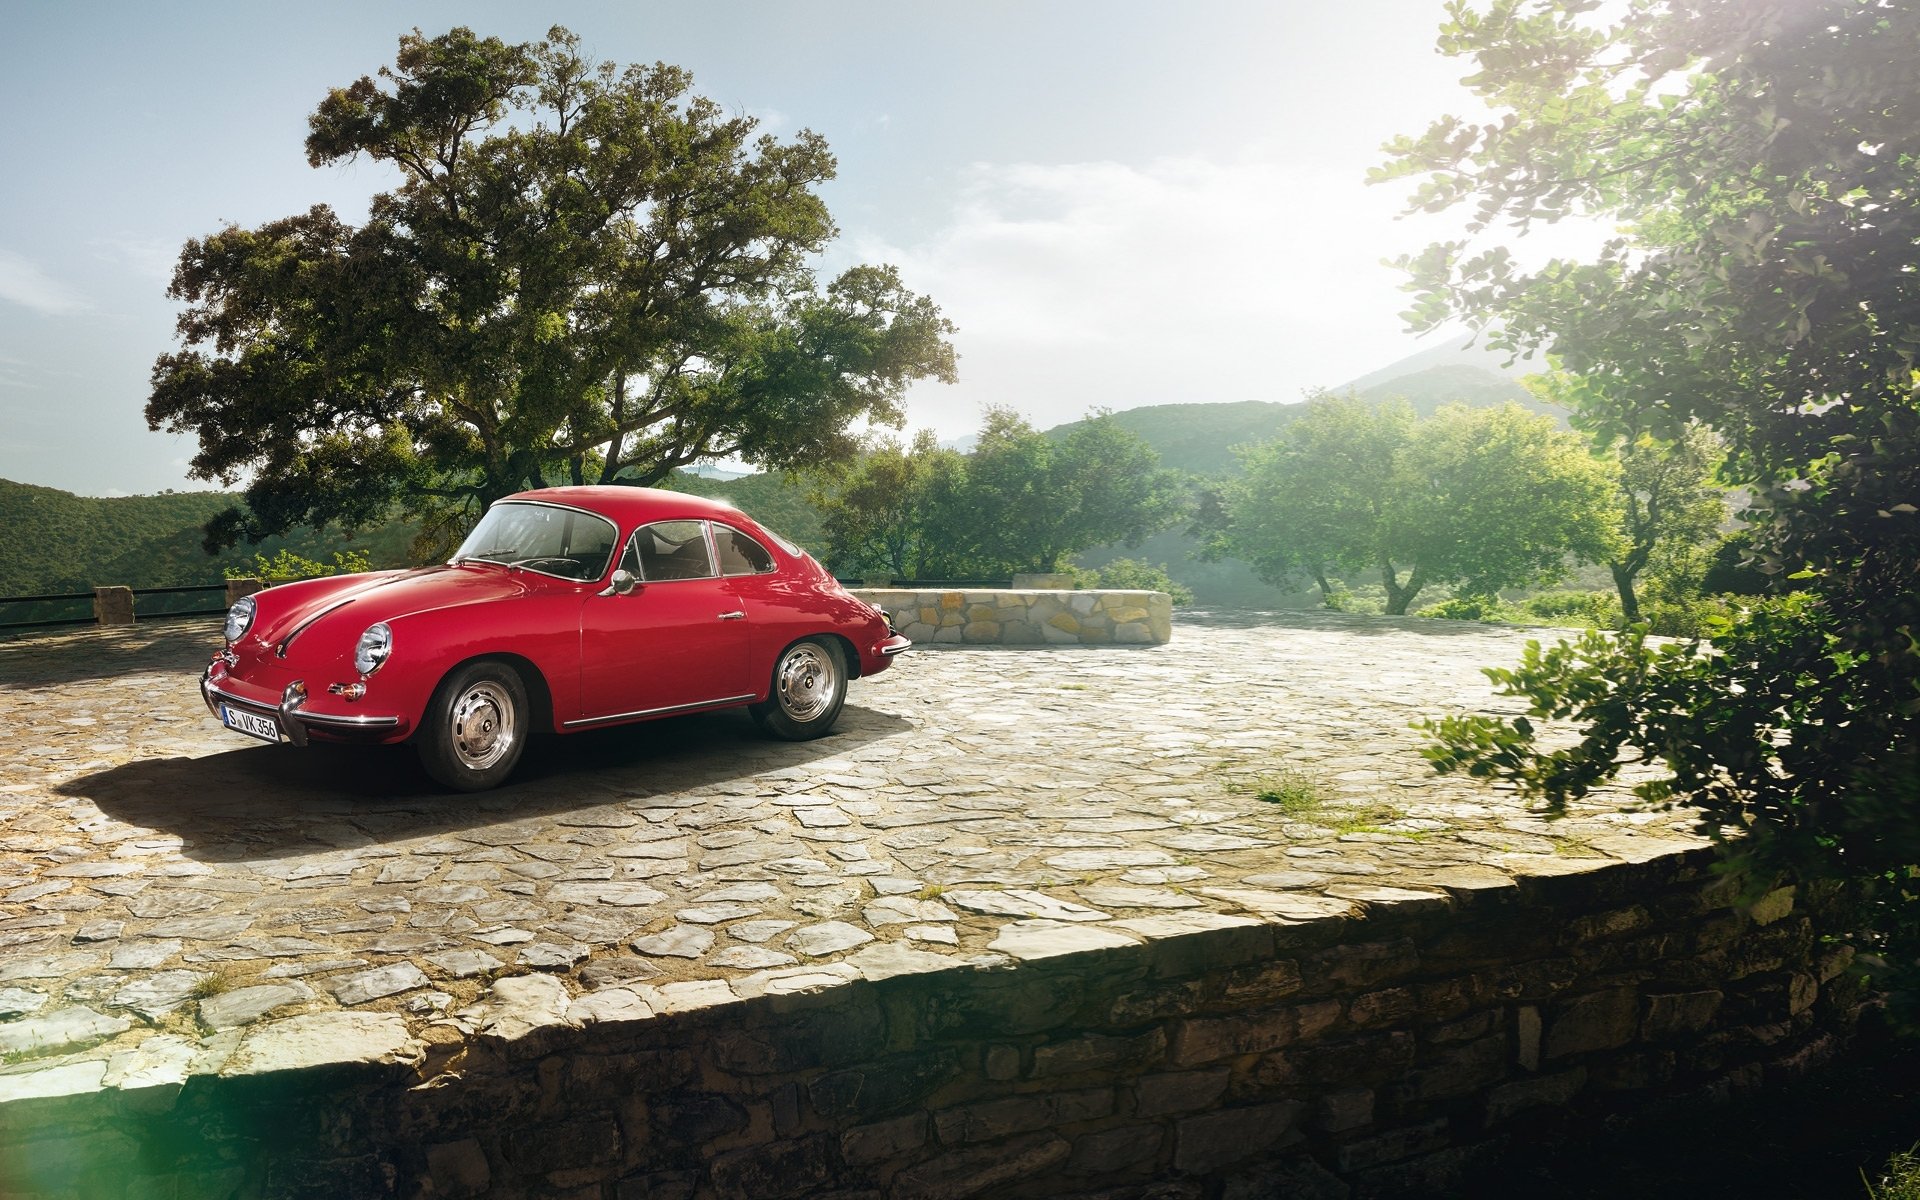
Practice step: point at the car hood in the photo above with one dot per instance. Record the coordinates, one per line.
(290, 614)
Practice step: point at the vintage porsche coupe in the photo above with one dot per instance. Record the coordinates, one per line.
(566, 609)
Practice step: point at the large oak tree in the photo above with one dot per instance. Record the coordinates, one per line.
(584, 274)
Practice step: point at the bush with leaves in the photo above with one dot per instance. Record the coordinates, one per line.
(1129, 574)
(1762, 160)
(286, 566)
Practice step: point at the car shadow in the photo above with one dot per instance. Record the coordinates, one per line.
(259, 802)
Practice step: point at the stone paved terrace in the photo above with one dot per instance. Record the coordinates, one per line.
(159, 876)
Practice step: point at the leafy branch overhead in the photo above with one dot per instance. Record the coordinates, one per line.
(1762, 161)
(583, 275)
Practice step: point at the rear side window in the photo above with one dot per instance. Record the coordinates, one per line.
(740, 554)
(670, 550)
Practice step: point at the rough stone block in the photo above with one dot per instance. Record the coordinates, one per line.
(1113, 1150)
(1390, 1006)
(1680, 1013)
(989, 1119)
(981, 1169)
(1393, 1145)
(542, 1148)
(1618, 922)
(778, 1169)
(882, 1140)
(1366, 964)
(1094, 1052)
(1213, 1140)
(1344, 1110)
(458, 1168)
(1539, 1092)
(1597, 1021)
(1178, 1091)
(829, 1037)
(1457, 1071)
(1772, 906)
(658, 1185)
(867, 1092)
(113, 605)
(1208, 1039)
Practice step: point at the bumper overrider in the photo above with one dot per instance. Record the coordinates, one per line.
(290, 715)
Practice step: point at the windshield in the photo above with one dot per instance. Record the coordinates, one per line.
(563, 542)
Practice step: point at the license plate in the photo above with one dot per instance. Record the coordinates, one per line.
(264, 728)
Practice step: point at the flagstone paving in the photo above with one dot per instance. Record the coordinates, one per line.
(160, 876)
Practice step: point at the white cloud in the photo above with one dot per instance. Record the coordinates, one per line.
(27, 285)
(150, 258)
(1119, 285)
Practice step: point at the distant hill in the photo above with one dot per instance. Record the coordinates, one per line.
(55, 541)
(1455, 353)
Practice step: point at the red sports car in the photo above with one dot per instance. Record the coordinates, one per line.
(565, 609)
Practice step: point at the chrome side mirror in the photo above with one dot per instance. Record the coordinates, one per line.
(622, 583)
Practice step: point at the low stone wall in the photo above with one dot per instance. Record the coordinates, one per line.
(1027, 616)
(1368, 1041)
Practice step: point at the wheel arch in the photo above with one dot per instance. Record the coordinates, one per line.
(539, 694)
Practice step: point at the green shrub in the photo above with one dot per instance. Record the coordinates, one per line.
(1129, 574)
(286, 566)
(1599, 610)
(1473, 608)
(1689, 618)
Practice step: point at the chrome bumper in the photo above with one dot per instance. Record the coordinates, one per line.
(293, 720)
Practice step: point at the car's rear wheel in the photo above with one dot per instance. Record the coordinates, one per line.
(809, 687)
(475, 727)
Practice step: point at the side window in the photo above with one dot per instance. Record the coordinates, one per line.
(672, 550)
(740, 554)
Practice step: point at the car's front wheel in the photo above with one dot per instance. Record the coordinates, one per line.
(809, 686)
(475, 727)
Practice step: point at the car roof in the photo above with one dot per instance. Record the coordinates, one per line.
(634, 505)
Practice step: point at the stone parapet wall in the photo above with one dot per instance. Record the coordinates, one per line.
(1362, 1041)
(1027, 616)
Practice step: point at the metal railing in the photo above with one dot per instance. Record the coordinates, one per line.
(57, 609)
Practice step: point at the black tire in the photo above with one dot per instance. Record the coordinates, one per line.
(475, 728)
(809, 686)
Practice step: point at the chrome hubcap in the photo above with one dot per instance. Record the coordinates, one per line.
(807, 681)
(483, 729)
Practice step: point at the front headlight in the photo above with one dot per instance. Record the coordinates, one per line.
(240, 618)
(375, 644)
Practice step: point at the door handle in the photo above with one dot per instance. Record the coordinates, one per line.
(733, 616)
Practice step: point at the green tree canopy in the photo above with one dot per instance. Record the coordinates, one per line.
(1669, 504)
(1763, 158)
(1486, 498)
(585, 274)
(1021, 501)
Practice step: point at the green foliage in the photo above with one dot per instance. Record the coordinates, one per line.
(587, 275)
(54, 541)
(1597, 609)
(1294, 793)
(1762, 161)
(776, 499)
(1129, 574)
(1486, 498)
(1022, 501)
(1901, 1178)
(287, 566)
(1475, 608)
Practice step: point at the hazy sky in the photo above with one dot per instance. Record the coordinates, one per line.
(1117, 203)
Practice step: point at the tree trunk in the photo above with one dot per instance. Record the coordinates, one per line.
(1623, 576)
(1326, 589)
(1398, 597)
